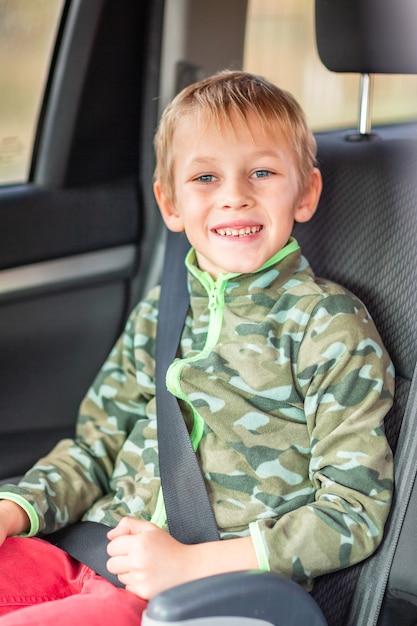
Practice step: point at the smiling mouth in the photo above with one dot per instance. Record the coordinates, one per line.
(238, 232)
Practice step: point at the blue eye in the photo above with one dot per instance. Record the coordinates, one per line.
(261, 173)
(205, 178)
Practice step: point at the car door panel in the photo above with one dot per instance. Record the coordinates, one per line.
(64, 294)
(52, 346)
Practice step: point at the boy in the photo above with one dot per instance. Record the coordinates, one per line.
(282, 379)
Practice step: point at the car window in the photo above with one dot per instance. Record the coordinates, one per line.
(27, 34)
(280, 45)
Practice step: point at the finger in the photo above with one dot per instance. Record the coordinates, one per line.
(117, 565)
(122, 528)
(130, 526)
(119, 546)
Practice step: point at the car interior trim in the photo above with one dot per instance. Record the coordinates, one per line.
(65, 92)
(107, 263)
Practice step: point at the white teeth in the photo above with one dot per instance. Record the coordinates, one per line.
(241, 232)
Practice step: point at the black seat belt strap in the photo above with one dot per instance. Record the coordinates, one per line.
(87, 542)
(189, 512)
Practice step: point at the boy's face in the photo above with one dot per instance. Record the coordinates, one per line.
(236, 193)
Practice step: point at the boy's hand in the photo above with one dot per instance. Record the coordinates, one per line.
(148, 560)
(145, 558)
(13, 520)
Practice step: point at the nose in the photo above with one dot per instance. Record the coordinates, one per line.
(235, 194)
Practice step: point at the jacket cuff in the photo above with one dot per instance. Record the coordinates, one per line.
(261, 549)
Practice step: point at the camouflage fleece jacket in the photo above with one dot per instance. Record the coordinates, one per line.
(284, 385)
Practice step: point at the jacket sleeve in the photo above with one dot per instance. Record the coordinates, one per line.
(347, 380)
(60, 487)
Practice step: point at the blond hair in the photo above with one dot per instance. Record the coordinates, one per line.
(220, 96)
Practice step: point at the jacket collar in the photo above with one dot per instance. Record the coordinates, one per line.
(274, 273)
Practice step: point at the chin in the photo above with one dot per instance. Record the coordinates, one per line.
(243, 268)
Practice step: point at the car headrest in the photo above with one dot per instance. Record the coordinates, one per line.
(367, 36)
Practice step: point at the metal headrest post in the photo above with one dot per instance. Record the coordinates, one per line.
(365, 104)
(363, 132)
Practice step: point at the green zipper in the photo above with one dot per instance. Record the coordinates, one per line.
(215, 291)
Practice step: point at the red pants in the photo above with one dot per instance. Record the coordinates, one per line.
(41, 585)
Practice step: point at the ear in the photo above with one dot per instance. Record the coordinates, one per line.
(307, 205)
(173, 220)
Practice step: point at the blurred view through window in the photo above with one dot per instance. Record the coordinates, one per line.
(280, 45)
(27, 35)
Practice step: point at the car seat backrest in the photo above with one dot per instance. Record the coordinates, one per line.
(364, 234)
